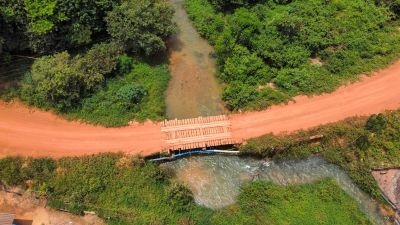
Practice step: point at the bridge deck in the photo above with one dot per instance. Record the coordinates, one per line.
(198, 132)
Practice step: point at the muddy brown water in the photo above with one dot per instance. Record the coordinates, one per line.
(193, 89)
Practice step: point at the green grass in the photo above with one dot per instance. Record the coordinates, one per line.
(104, 107)
(351, 144)
(127, 190)
(322, 202)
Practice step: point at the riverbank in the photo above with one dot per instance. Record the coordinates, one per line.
(358, 145)
(127, 190)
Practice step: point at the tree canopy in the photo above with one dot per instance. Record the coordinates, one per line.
(141, 25)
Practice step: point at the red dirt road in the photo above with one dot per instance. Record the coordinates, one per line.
(374, 94)
(38, 133)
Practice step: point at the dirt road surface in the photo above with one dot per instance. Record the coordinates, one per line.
(28, 132)
(373, 94)
(24, 131)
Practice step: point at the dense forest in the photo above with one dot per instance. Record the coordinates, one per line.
(127, 190)
(271, 50)
(100, 61)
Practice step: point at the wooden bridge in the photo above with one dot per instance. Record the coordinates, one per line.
(201, 132)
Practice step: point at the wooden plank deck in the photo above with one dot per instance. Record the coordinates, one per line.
(198, 132)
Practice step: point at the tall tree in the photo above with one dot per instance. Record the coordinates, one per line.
(141, 25)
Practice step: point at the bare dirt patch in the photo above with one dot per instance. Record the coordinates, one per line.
(29, 210)
(389, 182)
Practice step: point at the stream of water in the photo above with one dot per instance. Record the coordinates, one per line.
(215, 180)
(193, 89)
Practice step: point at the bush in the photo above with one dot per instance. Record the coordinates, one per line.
(376, 123)
(125, 64)
(11, 171)
(180, 197)
(238, 94)
(131, 94)
(40, 169)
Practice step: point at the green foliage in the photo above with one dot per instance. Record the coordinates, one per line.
(48, 25)
(40, 15)
(141, 25)
(124, 189)
(57, 82)
(238, 94)
(138, 95)
(180, 197)
(125, 64)
(319, 203)
(11, 171)
(376, 123)
(358, 145)
(40, 169)
(60, 81)
(131, 94)
(260, 42)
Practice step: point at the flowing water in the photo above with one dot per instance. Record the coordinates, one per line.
(215, 180)
(193, 89)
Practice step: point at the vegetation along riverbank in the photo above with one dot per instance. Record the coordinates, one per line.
(357, 144)
(127, 190)
(270, 51)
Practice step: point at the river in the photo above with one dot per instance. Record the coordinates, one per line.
(215, 180)
(193, 89)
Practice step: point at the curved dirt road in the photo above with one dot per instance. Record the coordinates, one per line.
(24, 131)
(374, 94)
(38, 133)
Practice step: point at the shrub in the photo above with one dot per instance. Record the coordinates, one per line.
(376, 123)
(40, 169)
(131, 94)
(11, 171)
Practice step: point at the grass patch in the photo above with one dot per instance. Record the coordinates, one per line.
(127, 190)
(105, 107)
(322, 202)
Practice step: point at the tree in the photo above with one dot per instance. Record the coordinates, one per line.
(244, 25)
(141, 25)
(245, 67)
(40, 15)
(101, 58)
(57, 81)
(237, 94)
